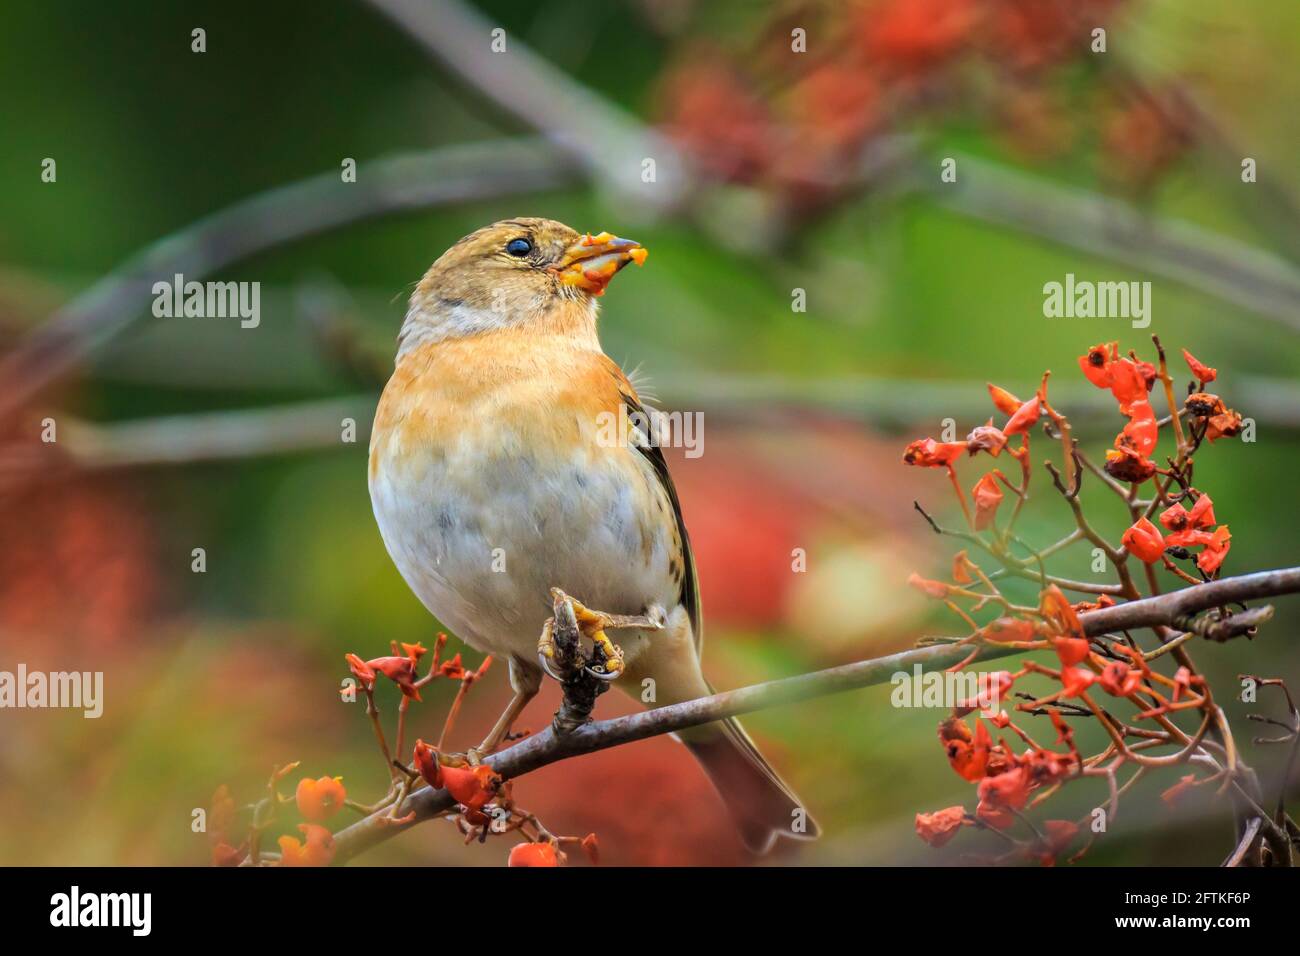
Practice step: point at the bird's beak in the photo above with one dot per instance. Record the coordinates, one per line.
(592, 261)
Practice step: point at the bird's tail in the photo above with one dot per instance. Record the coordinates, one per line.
(761, 804)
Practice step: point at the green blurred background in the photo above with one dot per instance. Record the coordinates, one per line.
(915, 298)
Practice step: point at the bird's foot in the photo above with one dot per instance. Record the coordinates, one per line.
(584, 677)
(546, 650)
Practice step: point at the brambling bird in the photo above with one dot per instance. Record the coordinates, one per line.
(493, 484)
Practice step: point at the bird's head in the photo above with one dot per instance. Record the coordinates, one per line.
(512, 273)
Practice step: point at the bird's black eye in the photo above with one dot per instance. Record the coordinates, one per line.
(519, 247)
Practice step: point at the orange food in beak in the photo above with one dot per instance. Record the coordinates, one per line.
(592, 261)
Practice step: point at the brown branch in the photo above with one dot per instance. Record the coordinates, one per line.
(266, 221)
(1245, 843)
(1168, 608)
(548, 747)
(607, 141)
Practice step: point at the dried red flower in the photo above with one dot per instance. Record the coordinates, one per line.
(1226, 424)
(934, 589)
(1129, 467)
(472, 787)
(1008, 790)
(317, 850)
(361, 670)
(1048, 766)
(1178, 518)
(987, 495)
(941, 826)
(1139, 436)
(714, 111)
(967, 753)
(318, 800)
(415, 651)
(1119, 679)
(1059, 612)
(1003, 400)
(1129, 383)
(1203, 372)
(426, 762)
(836, 106)
(1025, 418)
(1204, 405)
(400, 670)
(1095, 363)
(1144, 541)
(533, 854)
(1128, 380)
(1071, 650)
(453, 668)
(1216, 549)
(1189, 538)
(987, 438)
(928, 453)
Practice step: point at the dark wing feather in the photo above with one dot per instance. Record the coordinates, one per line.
(653, 454)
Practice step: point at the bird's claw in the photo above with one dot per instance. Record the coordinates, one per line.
(561, 656)
(610, 675)
(544, 663)
(546, 650)
(610, 663)
(573, 619)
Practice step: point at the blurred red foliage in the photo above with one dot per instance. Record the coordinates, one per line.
(796, 122)
(77, 563)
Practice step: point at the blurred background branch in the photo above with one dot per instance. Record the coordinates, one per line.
(318, 425)
(607, 142)
(1222, 267)
(455, 174)
(593, 135)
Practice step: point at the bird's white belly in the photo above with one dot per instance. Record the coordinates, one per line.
(481, 542)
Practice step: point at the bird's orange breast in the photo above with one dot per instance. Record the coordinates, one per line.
(495, 390)
(499, 446)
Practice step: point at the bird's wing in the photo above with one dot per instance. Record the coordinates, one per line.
(654, 456)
